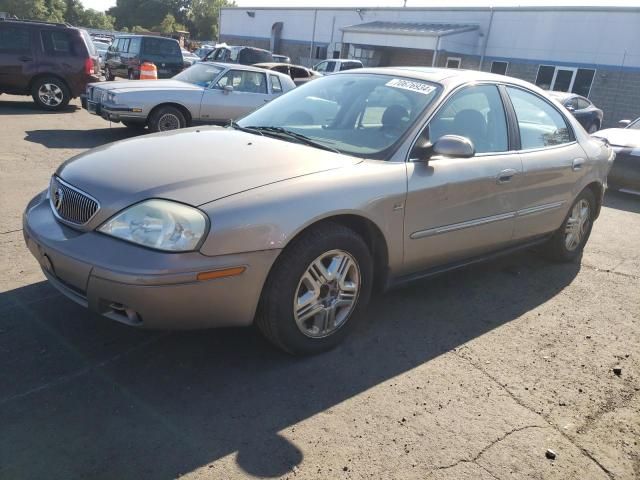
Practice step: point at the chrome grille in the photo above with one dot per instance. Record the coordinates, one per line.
(70, 204)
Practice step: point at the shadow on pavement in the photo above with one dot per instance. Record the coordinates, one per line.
(84, 397)
(79, 138)
(622, 201)
(28, 107)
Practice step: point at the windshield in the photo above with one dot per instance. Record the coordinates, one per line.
(357, 114)
(635, 125)
(199, 74)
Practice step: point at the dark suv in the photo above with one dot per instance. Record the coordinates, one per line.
(52, 62)
(128, 52)
(241, 55)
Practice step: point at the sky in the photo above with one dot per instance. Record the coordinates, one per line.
(105, 4)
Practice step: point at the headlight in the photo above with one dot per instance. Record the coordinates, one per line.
(159, 224)
(111, 97)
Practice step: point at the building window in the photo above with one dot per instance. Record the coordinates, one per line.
(321, 52)
(566, 79)
(499, 67)
(365, 55)
(453, 62)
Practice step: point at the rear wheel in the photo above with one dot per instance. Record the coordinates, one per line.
(316, 290)
(569, 240)
(166, 118)
(50, 93)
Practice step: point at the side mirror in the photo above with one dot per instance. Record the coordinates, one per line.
(454, 146)
(227, 89)
(624, 123)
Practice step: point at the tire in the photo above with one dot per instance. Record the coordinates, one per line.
(166, 118)
(108, 75)
(559, 247)
(593, 128)
(131, 75)
(134, 125)
(290, 279)
(50, 93)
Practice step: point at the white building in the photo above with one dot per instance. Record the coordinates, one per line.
(591, 51)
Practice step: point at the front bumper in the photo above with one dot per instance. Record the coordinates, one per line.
(139, 286)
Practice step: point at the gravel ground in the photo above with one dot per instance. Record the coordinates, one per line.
(471, 375)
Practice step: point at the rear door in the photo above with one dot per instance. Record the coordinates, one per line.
(123, 54)
(249, 92)
(64, 53)
(553, 163)
(17, 60)
(459, 208)
(165, 53)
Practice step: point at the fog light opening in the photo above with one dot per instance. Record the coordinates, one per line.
(132, 317)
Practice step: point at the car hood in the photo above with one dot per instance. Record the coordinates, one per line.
(122, 86)
(193, 166)
(621, 137)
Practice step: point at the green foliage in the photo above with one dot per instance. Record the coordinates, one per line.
(200, 17)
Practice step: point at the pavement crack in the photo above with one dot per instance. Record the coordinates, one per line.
(488, 446)
(582, 450)
(11, 231)
(611, 270)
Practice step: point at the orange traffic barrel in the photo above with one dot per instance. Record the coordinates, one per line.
(148, 71)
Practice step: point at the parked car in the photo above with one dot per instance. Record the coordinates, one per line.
(52, 62)
(418, 172)
(206, 92)
(128, 52)
(241, 55)
(336, 65)
(625, 141)
(281, 58)
(204, 50)
(101, 48)
(589, 116)
(300, 75)
(189, 58)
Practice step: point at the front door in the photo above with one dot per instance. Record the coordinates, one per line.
(462, 207)
(235, 94)
(552, 162)
(17, 61)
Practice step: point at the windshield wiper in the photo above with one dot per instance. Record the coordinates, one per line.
(279, 131)
(251, 130)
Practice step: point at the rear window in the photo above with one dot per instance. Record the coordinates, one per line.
(14, 39)
(161, 46)
(249, 56)
(349, 66)
(57, 43)
(91, 47)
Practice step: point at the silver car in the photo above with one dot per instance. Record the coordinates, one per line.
(203, 93)
(289, 217)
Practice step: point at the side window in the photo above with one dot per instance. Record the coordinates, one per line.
(56, 43)
(475, 113)
(583, 103)
(540, 124)
(243, 81)
(276, 86)
(114, 45)
(134, 45)
(331, 66)
(572, 103)
(124, 45)
(15, 39)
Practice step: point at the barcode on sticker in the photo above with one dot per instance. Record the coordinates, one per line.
(419, 87)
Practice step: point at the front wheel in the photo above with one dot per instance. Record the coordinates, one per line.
(569, 240)
(166, 118)
(316, 290)
(108, 75)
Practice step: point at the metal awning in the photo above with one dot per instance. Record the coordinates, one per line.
(403, 34)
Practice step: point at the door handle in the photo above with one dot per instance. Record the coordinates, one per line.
(24, 58)
(577, 164)
(505, 176)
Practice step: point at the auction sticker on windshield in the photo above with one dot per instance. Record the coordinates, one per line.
(412, 85)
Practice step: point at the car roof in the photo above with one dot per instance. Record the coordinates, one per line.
(244, 46)
(278, 64)
(562, 95)
(239, 66)
(38, 23)
(142, 35)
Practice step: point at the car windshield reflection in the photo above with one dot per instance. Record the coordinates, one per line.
(362, 115)
(199, 74)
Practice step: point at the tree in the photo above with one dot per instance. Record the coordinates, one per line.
(47, 10)
(91, 18)
(204, 18)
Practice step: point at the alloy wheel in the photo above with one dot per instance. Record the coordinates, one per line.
(577, 225)
(50, 94)
(327, 294)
